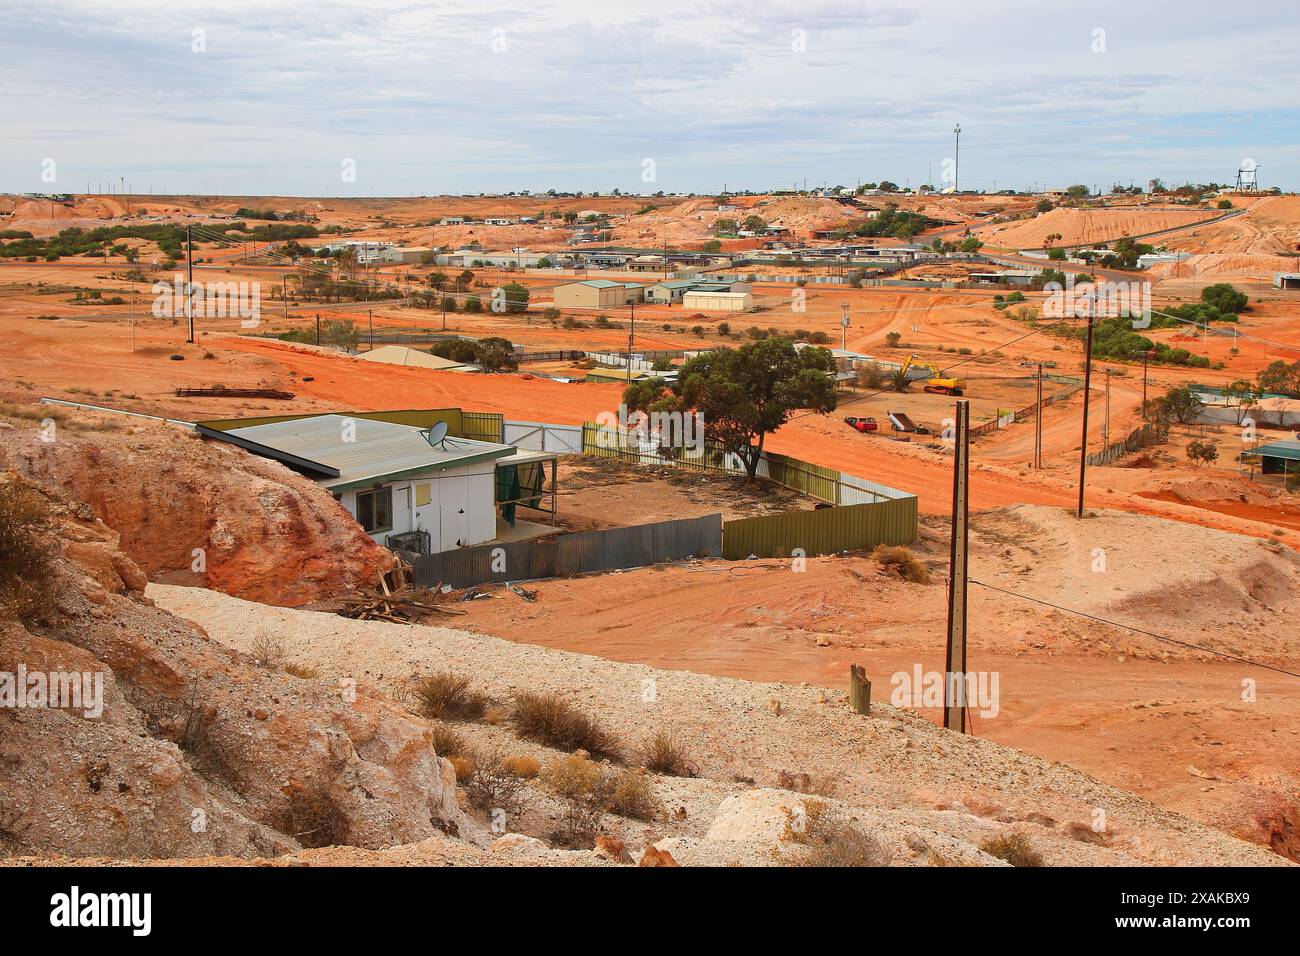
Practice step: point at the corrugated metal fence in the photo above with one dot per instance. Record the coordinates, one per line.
(633, 547)
(846, 528)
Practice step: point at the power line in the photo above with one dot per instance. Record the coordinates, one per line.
(1138, 630)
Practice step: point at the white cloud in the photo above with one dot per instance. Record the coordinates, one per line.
(581, 91)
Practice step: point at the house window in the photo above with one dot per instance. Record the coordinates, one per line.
(375, 509)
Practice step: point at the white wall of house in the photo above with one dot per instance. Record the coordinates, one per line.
(457, 506)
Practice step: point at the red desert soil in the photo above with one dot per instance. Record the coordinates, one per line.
(1165, 722)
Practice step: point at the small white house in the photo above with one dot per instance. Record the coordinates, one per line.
(393, 480)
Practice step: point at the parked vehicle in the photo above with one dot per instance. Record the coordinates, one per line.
(862, 424)
(939, 383)
(900, 422)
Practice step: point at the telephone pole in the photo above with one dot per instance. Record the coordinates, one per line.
(1087, 395)
(1038, 422)
(1105, 429)
(631, 335)
(954, 707)
(189, 282)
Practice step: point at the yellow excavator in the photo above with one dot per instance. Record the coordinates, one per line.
(938, 382)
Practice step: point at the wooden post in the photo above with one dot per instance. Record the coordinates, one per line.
(954, 711)
(859, 690)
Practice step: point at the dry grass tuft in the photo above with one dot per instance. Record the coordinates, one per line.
(448, 742)
(305, 671)
(448, 697)
(525, 767)
(1014, 848)
(549, 719)
(589, 790)
(464, 767)
(663, 753)
(903, 562)
(28, 588)
(832, 840)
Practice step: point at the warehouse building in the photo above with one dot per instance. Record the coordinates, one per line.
(1286, 280)
(597, 294)
(705, 300)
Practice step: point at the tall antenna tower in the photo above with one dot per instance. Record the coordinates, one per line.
(1247, 177)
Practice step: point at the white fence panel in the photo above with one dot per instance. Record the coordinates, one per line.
(538, 436)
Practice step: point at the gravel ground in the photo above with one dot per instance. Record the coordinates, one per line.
(926, 794)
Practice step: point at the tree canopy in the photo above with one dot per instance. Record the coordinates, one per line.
(744, 394)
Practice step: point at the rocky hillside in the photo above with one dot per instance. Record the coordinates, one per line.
(195, 512)
(198, 750)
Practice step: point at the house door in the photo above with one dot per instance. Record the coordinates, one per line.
(453, 522)
(402, 509)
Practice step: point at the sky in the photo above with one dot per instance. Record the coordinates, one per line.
(281, 97)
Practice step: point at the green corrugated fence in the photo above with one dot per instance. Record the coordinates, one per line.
(846, 528)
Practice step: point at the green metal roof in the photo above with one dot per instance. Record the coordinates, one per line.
(360, 452)
(1289, 449)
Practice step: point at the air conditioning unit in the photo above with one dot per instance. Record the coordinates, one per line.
(414, 542)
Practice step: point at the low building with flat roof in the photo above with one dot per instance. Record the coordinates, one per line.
(597, 294)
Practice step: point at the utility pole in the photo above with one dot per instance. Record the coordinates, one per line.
(956, 158)
(132, 316)
(1038, 422)
(844, 326)
(284, 295)
(372, 329)
(1087, 396)
(631, 334)
(318, 328)
(954, 707)
(1105, 429)
(189, 282)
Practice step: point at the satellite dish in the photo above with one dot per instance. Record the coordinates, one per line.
(437, 434)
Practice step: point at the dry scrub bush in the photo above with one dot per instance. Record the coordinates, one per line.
(550, 720)
(448, 742)
(583, 788)
(493, 785)
(305, 671)
(631, 796)
(590, 790)
(314, 819)
(663, 753)
(1014, 848)
(268, 650)
(902, 562)
(27, 575)
(447, 696)
(832, 840)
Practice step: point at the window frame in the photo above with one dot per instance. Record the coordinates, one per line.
(373, 496)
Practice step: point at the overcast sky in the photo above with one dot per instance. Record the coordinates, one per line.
(277, 96)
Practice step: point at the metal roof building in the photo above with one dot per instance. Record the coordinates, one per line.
(404, 489)
(1277, 458)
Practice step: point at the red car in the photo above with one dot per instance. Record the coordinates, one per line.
(862, 424)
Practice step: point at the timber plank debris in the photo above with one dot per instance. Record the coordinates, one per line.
(223, 391)
(395, 601)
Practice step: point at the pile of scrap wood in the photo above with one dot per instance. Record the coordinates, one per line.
(396, 600)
